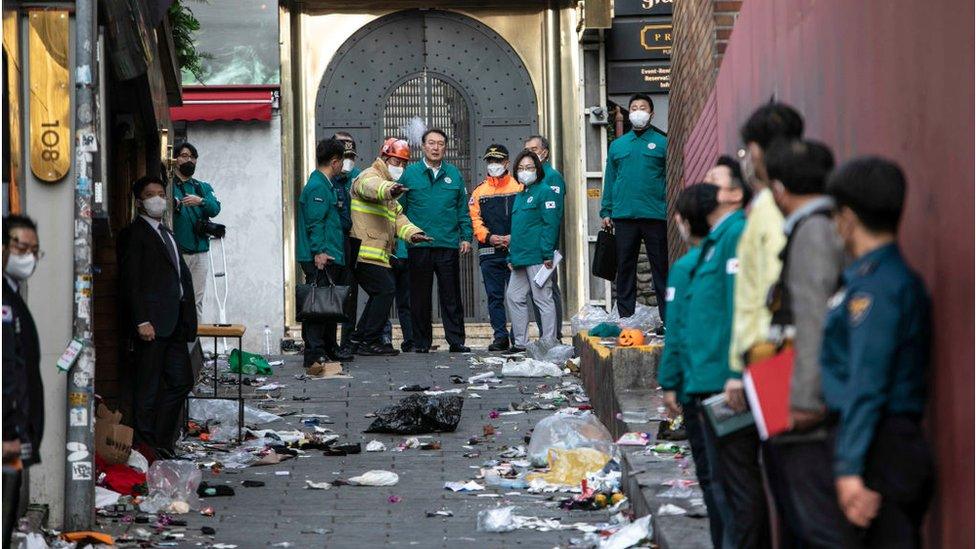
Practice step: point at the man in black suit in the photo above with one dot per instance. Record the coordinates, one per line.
(158, 290)
(23, 394)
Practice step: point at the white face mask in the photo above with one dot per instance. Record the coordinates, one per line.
(348, 164)
(640, 119)
(495, 169)
(155, 206)
(20, 267)
(527, 177)
(395, 172)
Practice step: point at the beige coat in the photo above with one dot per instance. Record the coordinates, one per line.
(377, 217)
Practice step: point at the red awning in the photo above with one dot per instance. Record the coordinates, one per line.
(211, 103)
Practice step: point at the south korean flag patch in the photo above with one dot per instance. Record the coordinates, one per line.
(732, 266)
(551, 205)
(554, 188)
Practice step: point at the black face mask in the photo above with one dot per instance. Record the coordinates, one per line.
(187, 168)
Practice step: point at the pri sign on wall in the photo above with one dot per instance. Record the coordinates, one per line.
(50, 94)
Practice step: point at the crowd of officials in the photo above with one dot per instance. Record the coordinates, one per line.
(787, 252)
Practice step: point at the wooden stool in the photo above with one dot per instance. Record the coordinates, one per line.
(233, 331)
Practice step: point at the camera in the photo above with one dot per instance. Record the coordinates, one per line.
(208, 229)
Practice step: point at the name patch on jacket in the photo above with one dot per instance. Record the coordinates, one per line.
(318, 199)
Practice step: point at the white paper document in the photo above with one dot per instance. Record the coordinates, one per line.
(543, 274)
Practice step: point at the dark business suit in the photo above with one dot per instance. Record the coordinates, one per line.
(152, 280)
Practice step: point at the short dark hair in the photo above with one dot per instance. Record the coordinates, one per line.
(16, 221)
(327, 150)
(873, 188)
(695, 203)
(423, 138)
(140, 184)
(641, 96)
(542, 140)
(770, 121)
(535, 161)
(736, 169)
(185, 145)
(802, 166)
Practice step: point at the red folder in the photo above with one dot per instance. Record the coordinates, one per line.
(767, 386)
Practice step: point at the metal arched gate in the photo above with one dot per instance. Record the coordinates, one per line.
(452, 71)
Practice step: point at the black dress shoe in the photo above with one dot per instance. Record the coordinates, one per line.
(500, 344)
(375, 349)
(406, 347)
(421, 349)
(460, 349)
(343, 354)
(515, 349)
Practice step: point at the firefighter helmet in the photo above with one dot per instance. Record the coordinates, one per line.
(395, 147)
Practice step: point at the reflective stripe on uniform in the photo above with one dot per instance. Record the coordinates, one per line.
(405, 230)
(358, 205)
(376, 254)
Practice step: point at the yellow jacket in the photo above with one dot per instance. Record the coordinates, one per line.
(759, 267)
(377, 217)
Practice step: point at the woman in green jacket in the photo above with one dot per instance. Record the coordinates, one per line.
(536, 216)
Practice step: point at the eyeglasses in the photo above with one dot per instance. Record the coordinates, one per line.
(24, 248)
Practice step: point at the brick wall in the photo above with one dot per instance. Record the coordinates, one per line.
(702, 29)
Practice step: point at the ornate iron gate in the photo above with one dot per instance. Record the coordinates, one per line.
(449, 69)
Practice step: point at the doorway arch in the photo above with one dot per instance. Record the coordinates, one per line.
(426, 56)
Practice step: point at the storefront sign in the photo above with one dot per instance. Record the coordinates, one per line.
(50, 94)
(622, 8)
(639, 40)
(625, 77)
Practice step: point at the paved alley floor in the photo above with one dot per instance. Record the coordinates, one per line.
(285, 513)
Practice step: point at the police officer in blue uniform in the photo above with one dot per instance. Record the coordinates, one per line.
(875, 359)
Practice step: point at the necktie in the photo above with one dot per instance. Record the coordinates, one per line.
(170, 246)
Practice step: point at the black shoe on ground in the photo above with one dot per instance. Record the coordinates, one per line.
(406, 347)
(500, 344)
(343, 354)
(376, 349)
(514, 349)
(460, 349)
(423, 350)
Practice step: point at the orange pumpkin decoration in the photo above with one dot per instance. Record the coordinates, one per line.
(631, 337)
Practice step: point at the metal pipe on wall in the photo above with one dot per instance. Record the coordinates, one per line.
(79, 483)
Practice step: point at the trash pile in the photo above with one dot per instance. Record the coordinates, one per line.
(642, 327)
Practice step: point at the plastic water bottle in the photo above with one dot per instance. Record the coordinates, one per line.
(267, 340)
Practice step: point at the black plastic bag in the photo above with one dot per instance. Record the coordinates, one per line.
(605, 256)
(419, 413)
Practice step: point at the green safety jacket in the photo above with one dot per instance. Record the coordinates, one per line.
(536, 216)
(319, 228)
(186, 217)
(634, 183)
(674, 365)
(708, 306)
(438, 204)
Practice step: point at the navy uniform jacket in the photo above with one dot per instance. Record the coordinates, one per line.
(23, 392)
(342, 183)
(875, 351)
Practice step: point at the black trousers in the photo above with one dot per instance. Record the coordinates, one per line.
(379, 284)
(401, 277)
(446, 264)
(806, 498)
(163, 378)
(629, 234)
(742, 482)
(711, 490)
(11, 502)
(899, 467)
(320, 337)
(349, 326)
(557, 298)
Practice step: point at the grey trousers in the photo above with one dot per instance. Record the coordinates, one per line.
(520, 284)
(199, 265)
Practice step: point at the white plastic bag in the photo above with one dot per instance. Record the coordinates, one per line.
(169, 482)
(644, 318)
(629, 535)
(500, 519)
(568, 431)
(588, 317)
(531, 368)
(225, 412)
(375, 478)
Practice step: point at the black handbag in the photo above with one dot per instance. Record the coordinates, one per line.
(323, 303)
(605, 256)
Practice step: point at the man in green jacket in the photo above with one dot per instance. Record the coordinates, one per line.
(437, 201)
(342, 183)
(674, 367)
(551, 176)
(194, 202)
(634, 204)
(320, 244)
